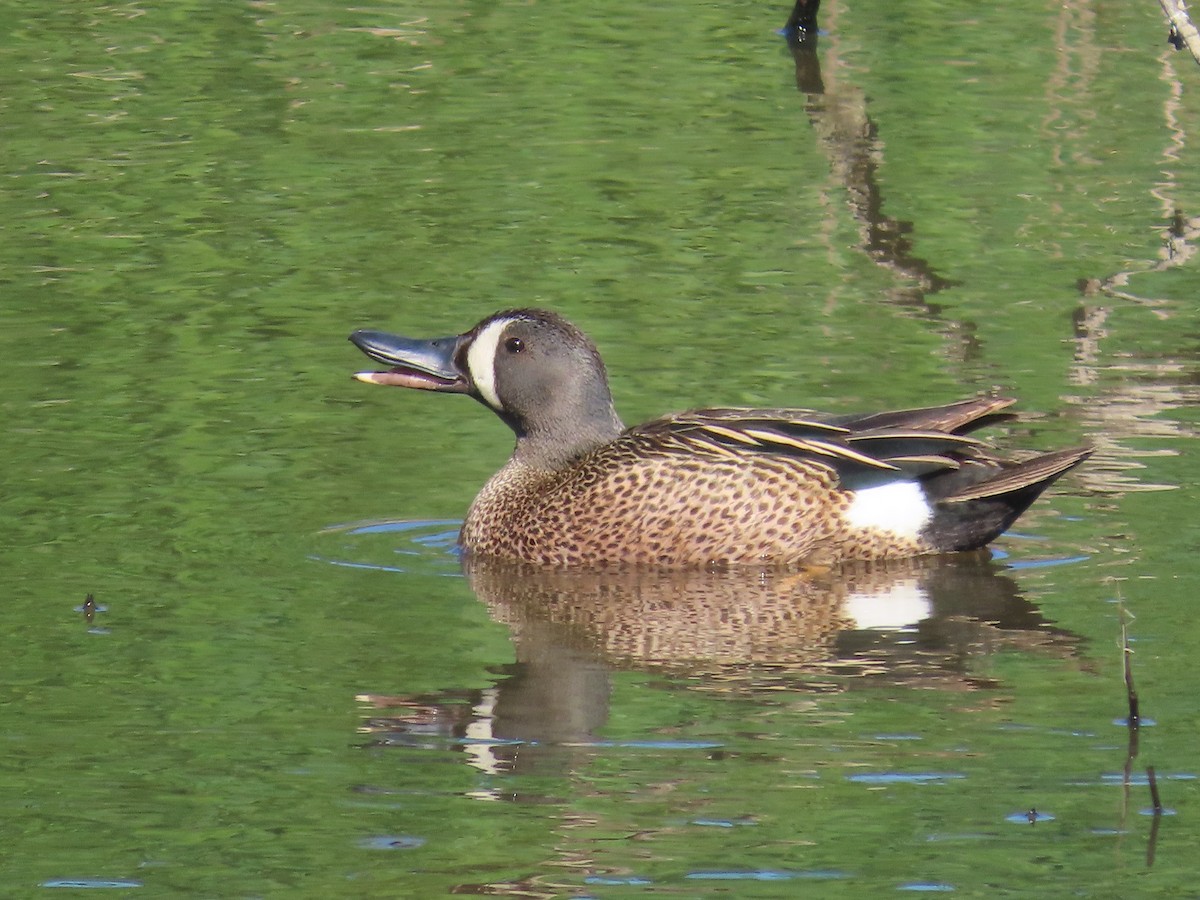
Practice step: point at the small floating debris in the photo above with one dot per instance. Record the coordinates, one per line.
(90, 609)
(1029, 817)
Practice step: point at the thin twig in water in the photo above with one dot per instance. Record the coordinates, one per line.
(1130, 690)
(1154, 798)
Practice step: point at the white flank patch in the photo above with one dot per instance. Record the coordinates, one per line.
(901, 605)
(899, 508)
(481, 361)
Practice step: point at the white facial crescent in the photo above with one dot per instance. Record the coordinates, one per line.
(481, 361)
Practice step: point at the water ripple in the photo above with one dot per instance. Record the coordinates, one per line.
(903, 777)
(408, 546)
(79, 883)
(766, 875)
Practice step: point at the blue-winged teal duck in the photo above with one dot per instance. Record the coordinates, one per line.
(709, 487)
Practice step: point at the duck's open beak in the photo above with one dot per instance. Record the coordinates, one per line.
(424, 365)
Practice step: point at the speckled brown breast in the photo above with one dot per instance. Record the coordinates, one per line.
(637, 502)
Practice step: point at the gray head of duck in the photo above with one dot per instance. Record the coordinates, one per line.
(533, 368)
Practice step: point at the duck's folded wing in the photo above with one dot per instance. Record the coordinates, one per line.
(953, 418)
(861, 458)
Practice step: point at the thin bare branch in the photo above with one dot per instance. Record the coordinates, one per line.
(1183, 32)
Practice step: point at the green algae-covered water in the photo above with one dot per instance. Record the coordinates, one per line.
(286, 683)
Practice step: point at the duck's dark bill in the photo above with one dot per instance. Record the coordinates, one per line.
(420, 364)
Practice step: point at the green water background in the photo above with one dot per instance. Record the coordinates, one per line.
(200, 201)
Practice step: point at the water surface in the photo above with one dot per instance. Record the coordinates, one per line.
(200, 203)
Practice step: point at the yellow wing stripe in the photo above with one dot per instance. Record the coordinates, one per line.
(819, 447)
(743, 437)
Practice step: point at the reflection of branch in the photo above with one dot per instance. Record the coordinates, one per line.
(1152, 841)
(1178, 247)
(1182, 232)
(1154, 798)
(851, 143)
(1183, 32)
(1137, 403)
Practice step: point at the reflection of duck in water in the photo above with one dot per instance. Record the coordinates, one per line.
(711, 486)
(927, 622)
(908, 617)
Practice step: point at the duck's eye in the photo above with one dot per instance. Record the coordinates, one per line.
(514, 345)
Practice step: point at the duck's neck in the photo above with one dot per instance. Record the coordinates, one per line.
(556, 448)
